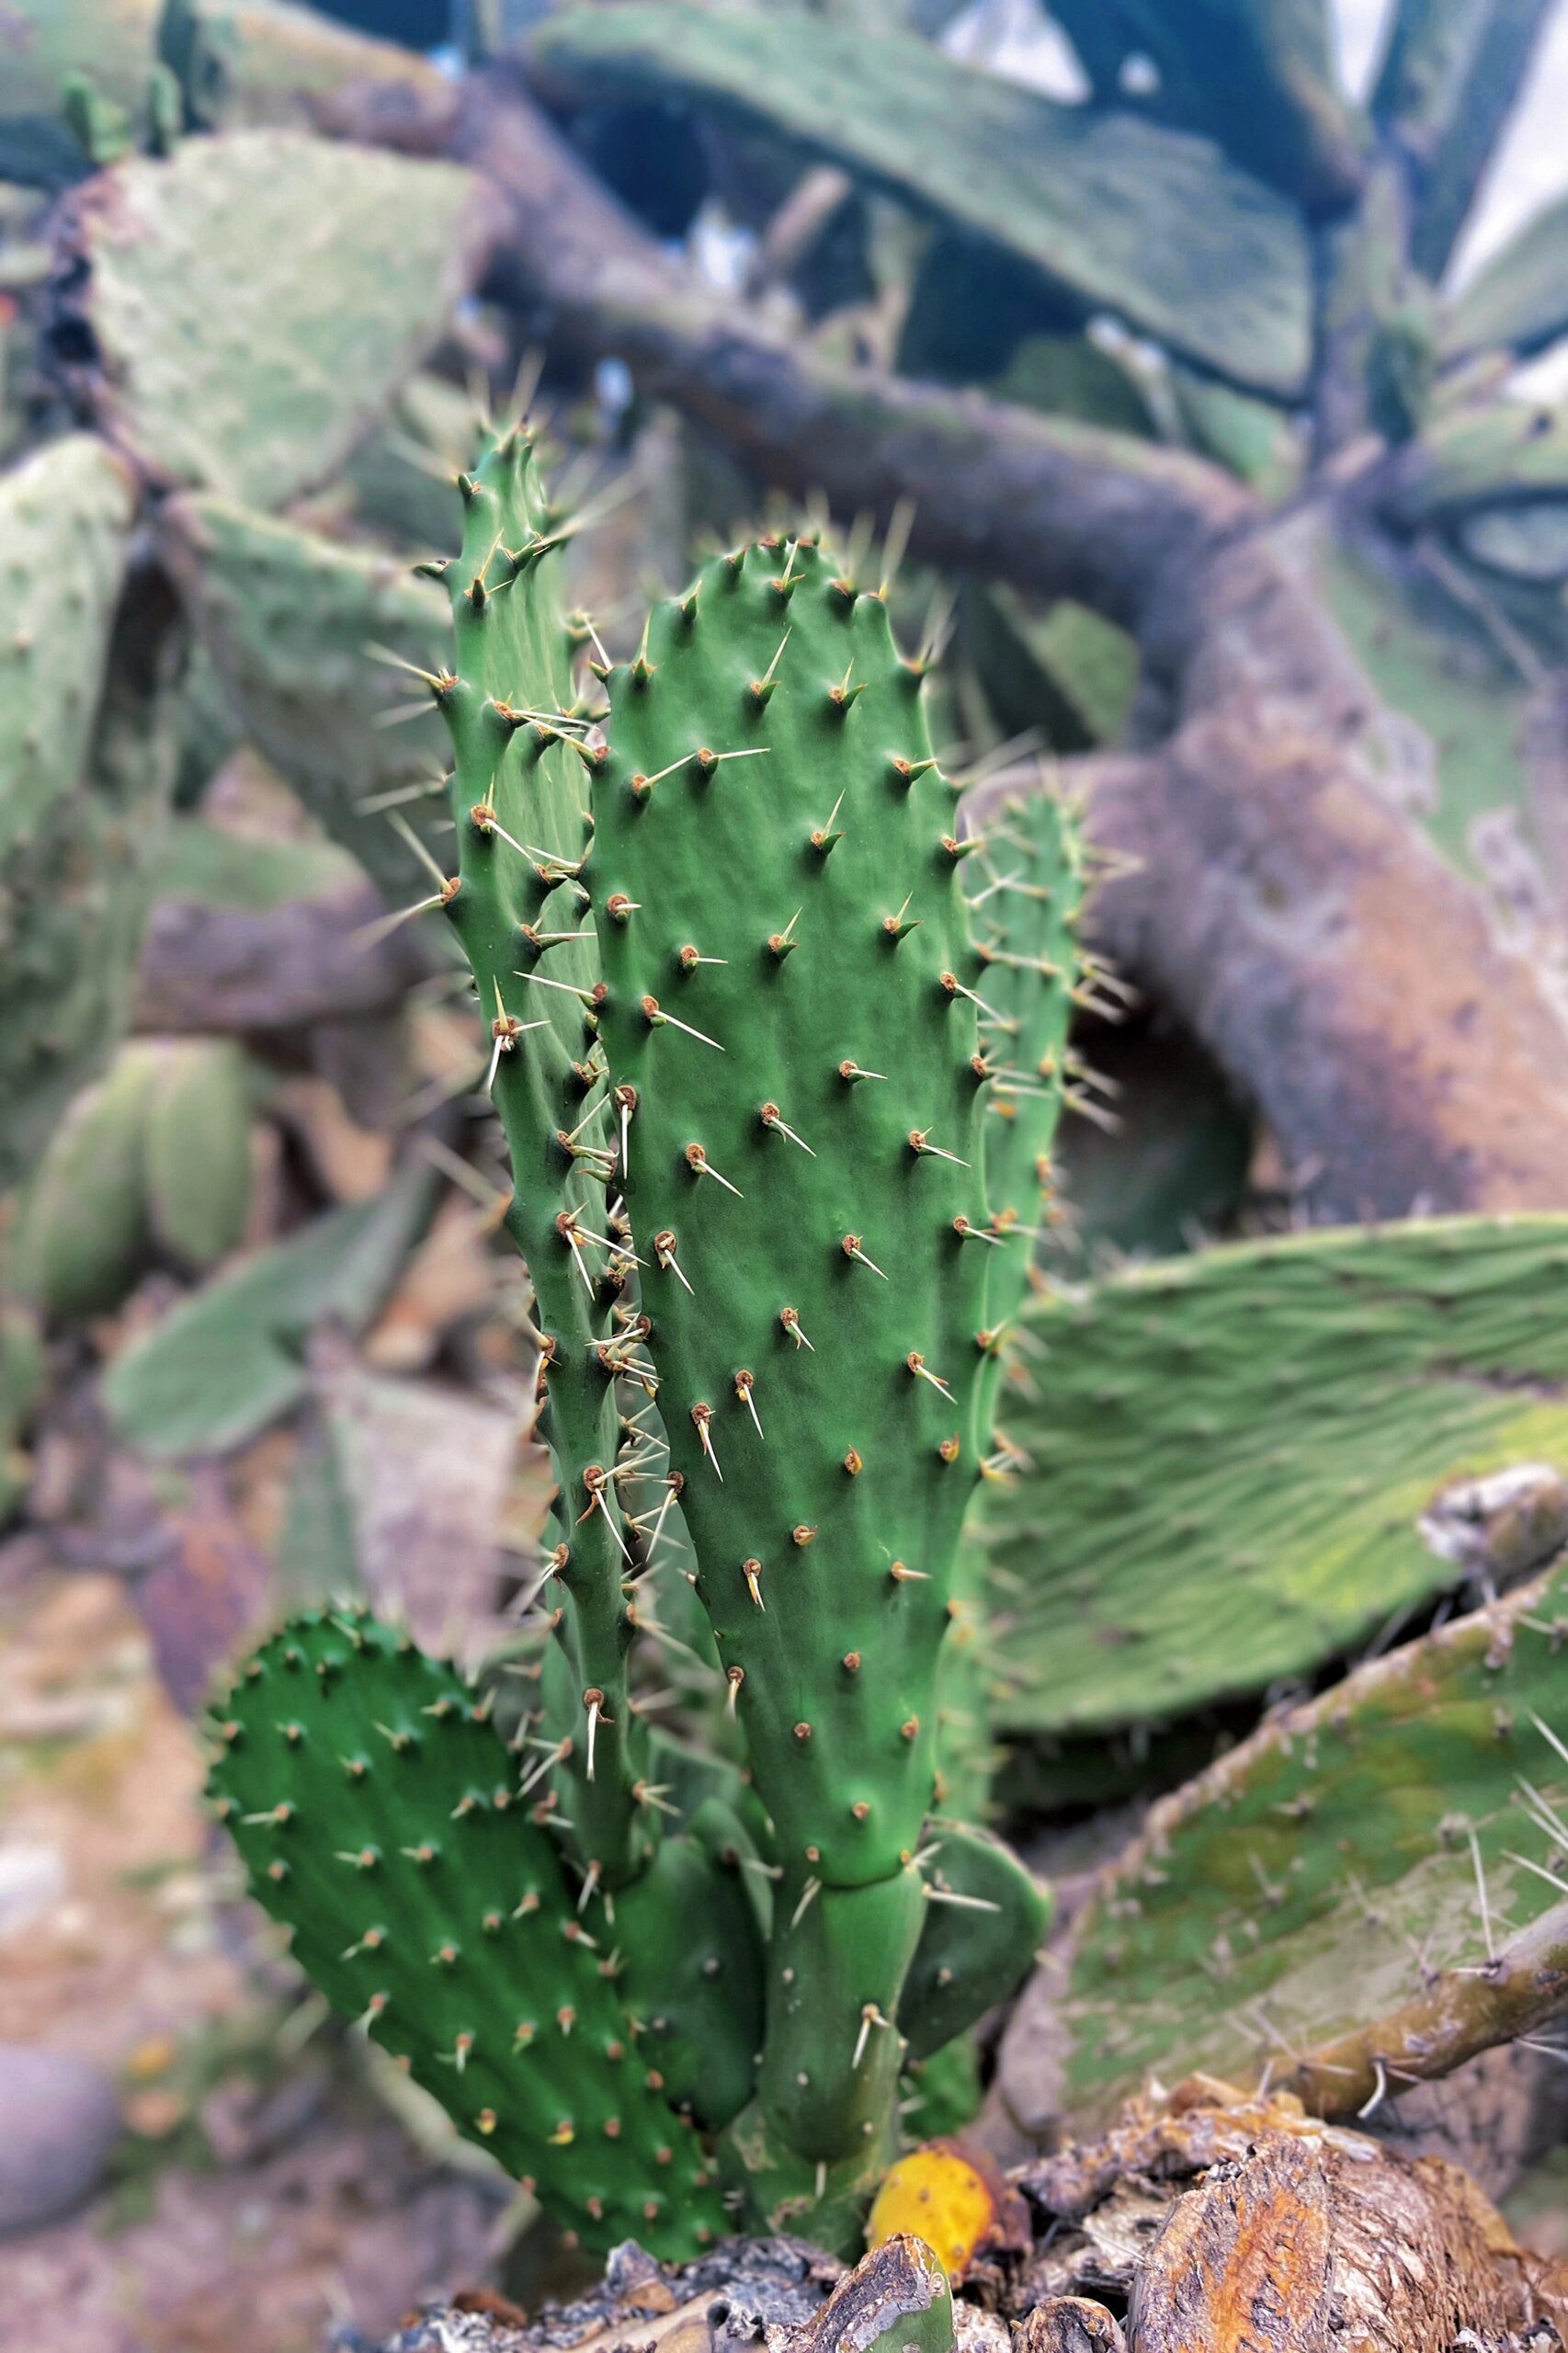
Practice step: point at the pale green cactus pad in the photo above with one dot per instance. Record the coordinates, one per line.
(254, 304)
(1228, 1456)
(285, 617)
(1118, 214)
(1409, 1820)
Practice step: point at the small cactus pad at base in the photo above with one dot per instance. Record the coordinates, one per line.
(378, 1814)
(984, 1917)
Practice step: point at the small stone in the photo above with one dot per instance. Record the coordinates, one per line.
(59, 2120)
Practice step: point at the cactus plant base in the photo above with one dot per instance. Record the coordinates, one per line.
(1232, 2201)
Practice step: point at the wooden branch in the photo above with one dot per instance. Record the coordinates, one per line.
(1053, 505)
(1461, 2013)
(1303, 927)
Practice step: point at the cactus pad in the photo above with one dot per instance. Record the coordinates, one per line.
(285, 617)
(1227, 1457)
(791, 1010)
(1409, 1820)
(245, 332)
(377, 1812)
(1116, 214)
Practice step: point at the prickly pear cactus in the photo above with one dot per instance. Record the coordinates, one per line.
(1409, 1820)
(791, 1018)
(1227, 1458)
(86, 768)
(378, 1814)
(226, 313)
(515, 902)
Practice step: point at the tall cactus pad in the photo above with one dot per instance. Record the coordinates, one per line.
(1410, 1820)
(1227, 1458)
(378, 1814)
(792, 1024)
(518, 795)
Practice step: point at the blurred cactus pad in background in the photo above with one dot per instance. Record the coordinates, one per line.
(783, 1091)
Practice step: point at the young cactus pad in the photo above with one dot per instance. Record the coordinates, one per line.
(378, 1814)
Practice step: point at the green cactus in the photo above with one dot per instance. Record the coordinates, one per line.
(516, 795)
(244, 334)
(1228, 1456)
(1115, 213)
(285, 616)
(744, 1112)
(86, 767)
(155, 1156)
(1410, 1819)
(449, 1929)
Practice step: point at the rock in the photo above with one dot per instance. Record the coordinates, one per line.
(59, 2120)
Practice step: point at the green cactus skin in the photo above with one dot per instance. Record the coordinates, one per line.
(835, 1970)
(77, 829)
(814, 1308)
(985, 1916)
(517, 797)
(688, 1932)
(1228, 1454)
(1026, 888)
(155, 1154)
(378, 1814)
(1309, 1880)
(284, 617)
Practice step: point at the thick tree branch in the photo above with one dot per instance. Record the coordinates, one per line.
(1459, 2013)
(1055, 505)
